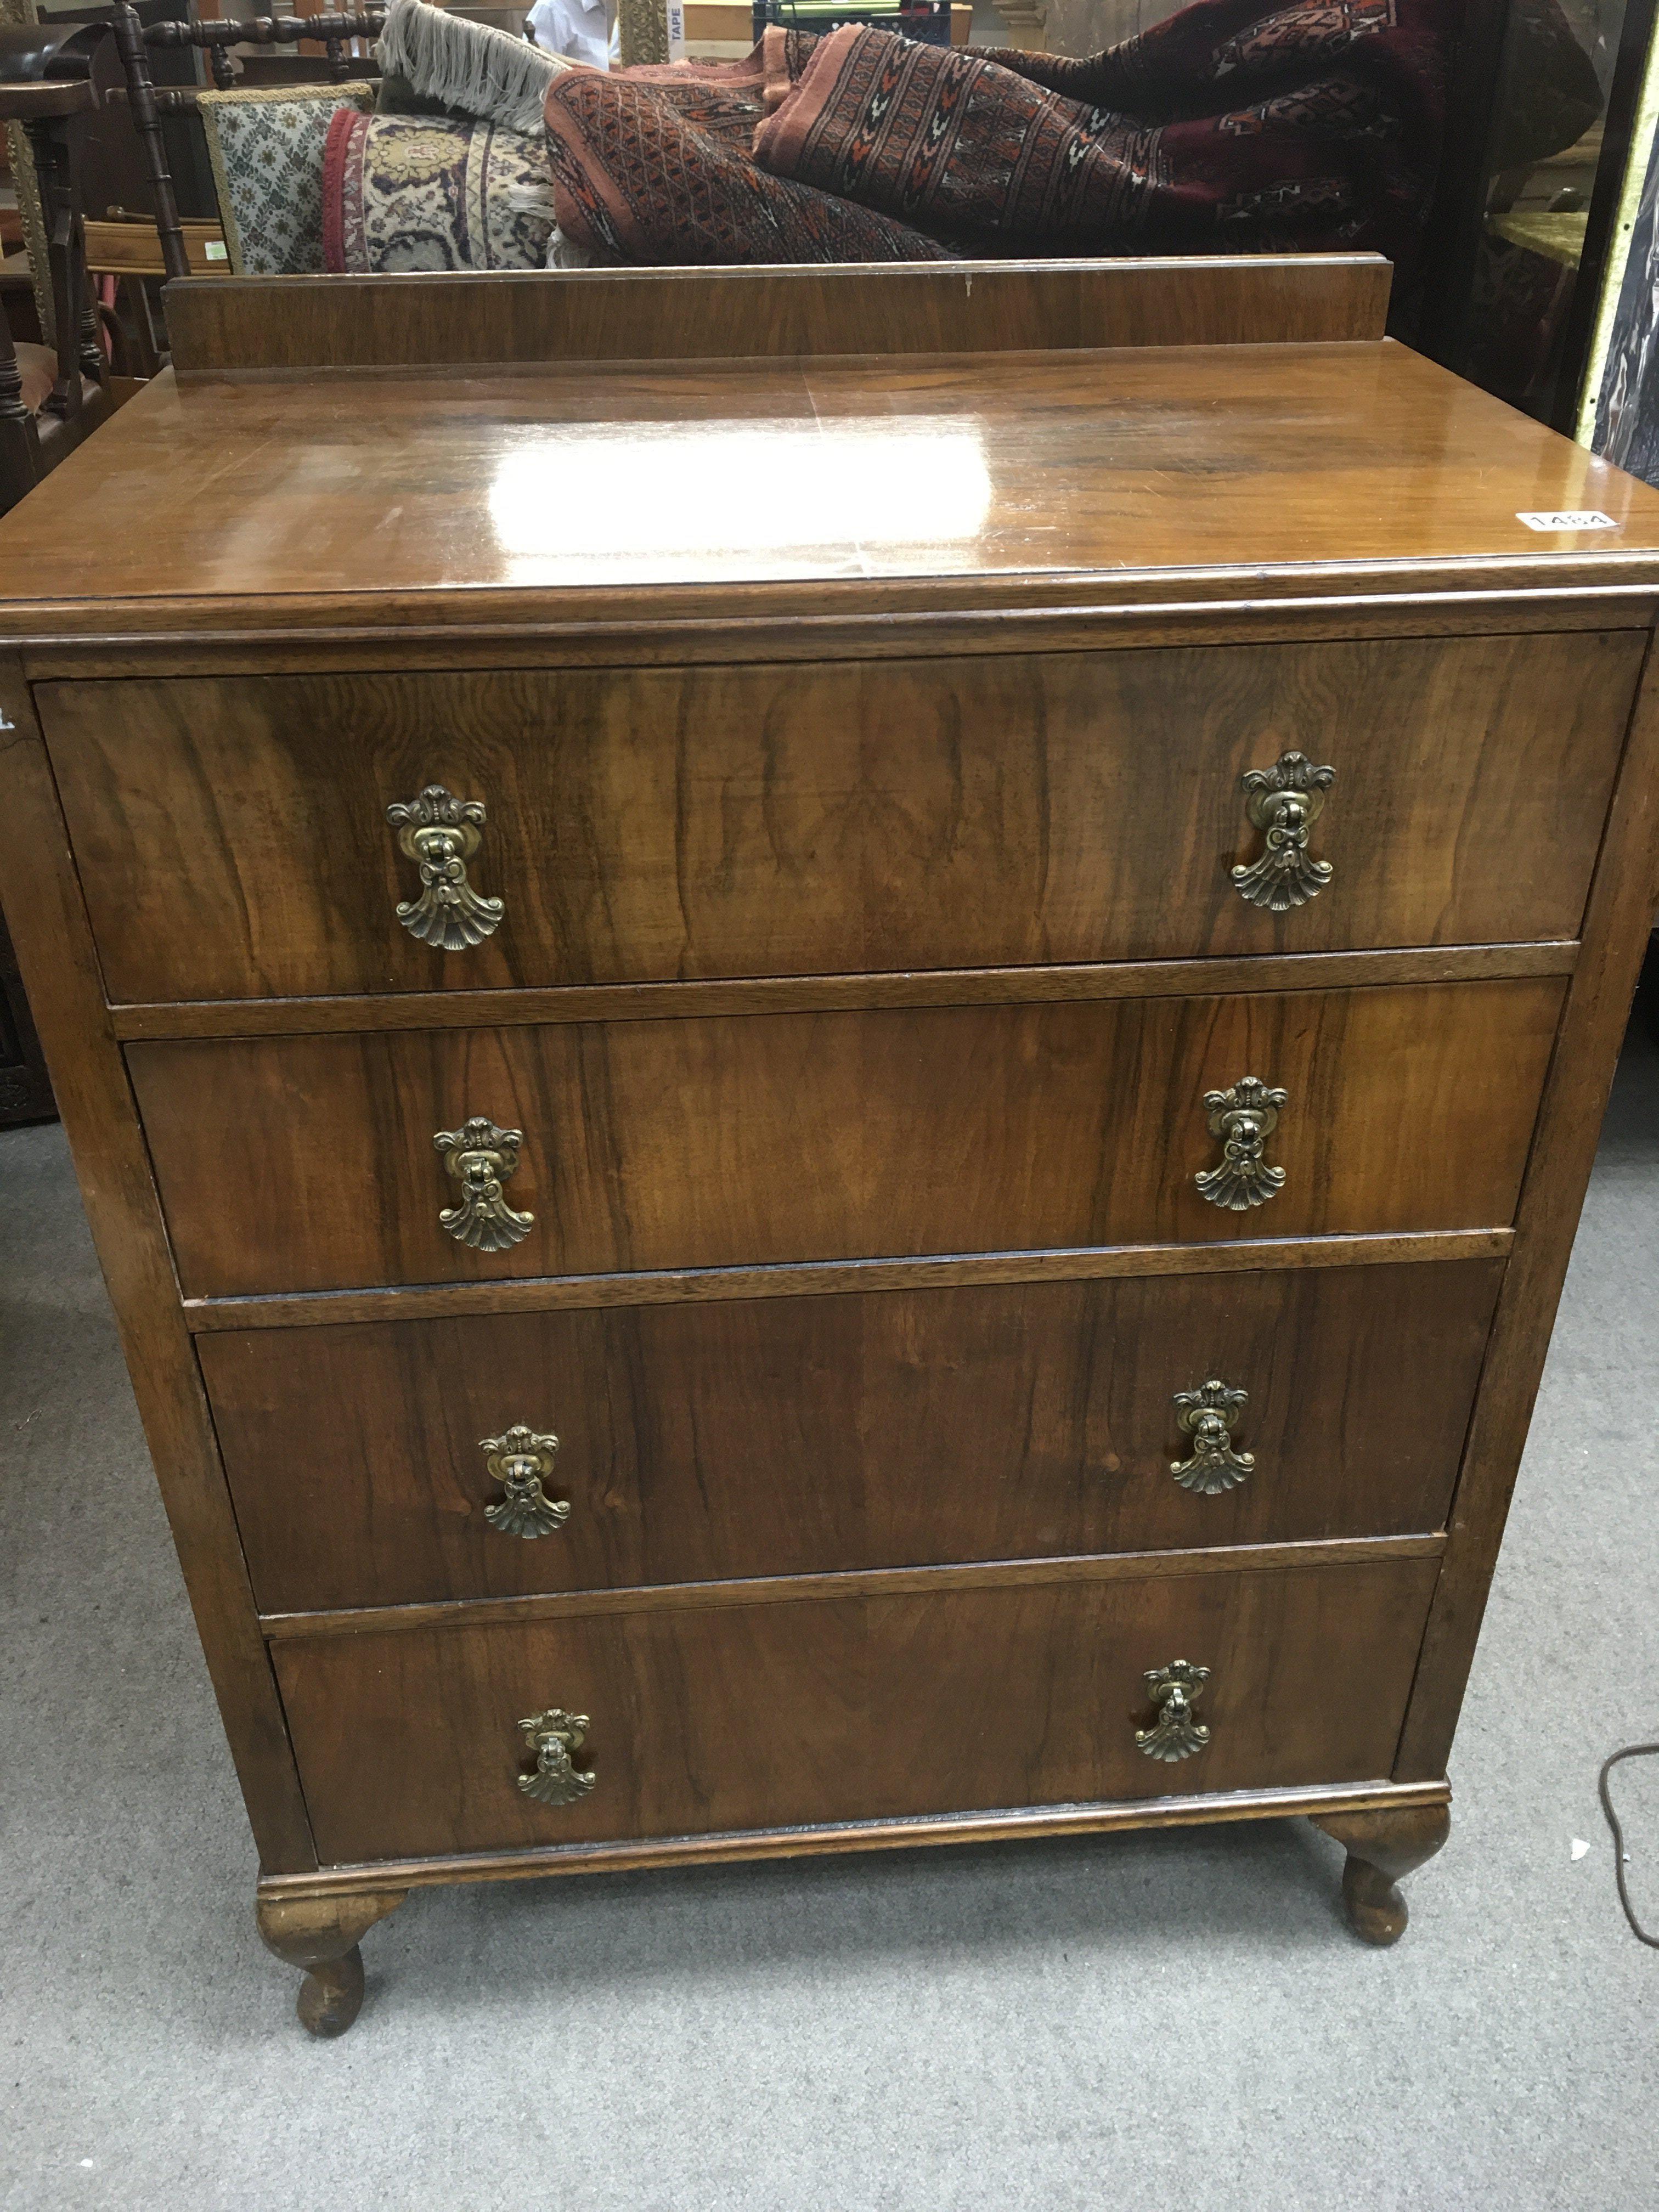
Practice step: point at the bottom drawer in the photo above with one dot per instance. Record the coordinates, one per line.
(809, 1710)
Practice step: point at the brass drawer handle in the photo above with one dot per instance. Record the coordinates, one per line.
(553, 1735)
(480, 1157)
(1175, 1734)
(440, 834)
(521, 1462)
(1283, 802)
(1243, 1118)
(1207, 1415)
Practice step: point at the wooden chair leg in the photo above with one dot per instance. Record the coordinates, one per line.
(20, 439)
(73, 312)
(146, 336)
(147, 121)
(63, 400)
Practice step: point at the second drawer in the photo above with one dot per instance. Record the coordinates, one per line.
(787, 1436)
(318, 1163)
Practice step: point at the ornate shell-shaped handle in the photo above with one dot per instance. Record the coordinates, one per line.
(1207, 1416)
(553, 1735)
(1243, 1118)
(1175, 1734)
(480, 1157)
(440, 834)
(521, 1462)
(1283, 802)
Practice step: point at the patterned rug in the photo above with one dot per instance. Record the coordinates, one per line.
(655, 166)
(402, 192)
(266, 148)
(1236, 125)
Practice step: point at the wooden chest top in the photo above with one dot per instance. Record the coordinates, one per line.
(1103, 480)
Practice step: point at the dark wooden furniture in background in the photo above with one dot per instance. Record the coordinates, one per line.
(1432, 314)
(37, 428)
(128, 247)
(48, 404)
(113, 184)
(25, 1086)
(744, 1356)
(109, 158)
(1522, 229)
(152, 106)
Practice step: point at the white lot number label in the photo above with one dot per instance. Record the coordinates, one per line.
(1569, 518)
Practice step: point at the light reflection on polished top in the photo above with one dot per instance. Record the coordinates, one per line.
(1098, 477)
(666, 502)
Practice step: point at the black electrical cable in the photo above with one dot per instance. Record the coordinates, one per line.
(1630, 1751)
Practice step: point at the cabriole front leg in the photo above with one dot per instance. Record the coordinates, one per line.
(321, 1934)
(1382, 1848)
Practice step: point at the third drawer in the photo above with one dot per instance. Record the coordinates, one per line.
(789, 1436)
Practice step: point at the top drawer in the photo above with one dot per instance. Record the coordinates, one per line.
(652, 824)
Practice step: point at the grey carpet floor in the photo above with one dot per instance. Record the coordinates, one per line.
(1176, 2020)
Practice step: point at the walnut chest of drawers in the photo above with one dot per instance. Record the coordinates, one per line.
(835, 1090)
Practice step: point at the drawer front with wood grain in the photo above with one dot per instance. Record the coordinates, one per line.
(637, 825)
(791, 1435)
(300, 1164)
(738, 1715)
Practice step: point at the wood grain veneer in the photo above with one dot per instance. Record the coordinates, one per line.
(956, 487)
(707, 1720)
(308, 1163)
(883, 622)
(770, 822)
(773, 994)
(1616, 929)
(799, 1436)
(47, 918)
(857, 1583)
(1027, 1823)
(620, 315)
(802, 1278)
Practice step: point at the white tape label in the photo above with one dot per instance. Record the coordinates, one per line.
(1569, 518)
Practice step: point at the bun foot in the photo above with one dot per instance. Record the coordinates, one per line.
(321, 1934)
(331, 1996)
(1382, 1848)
